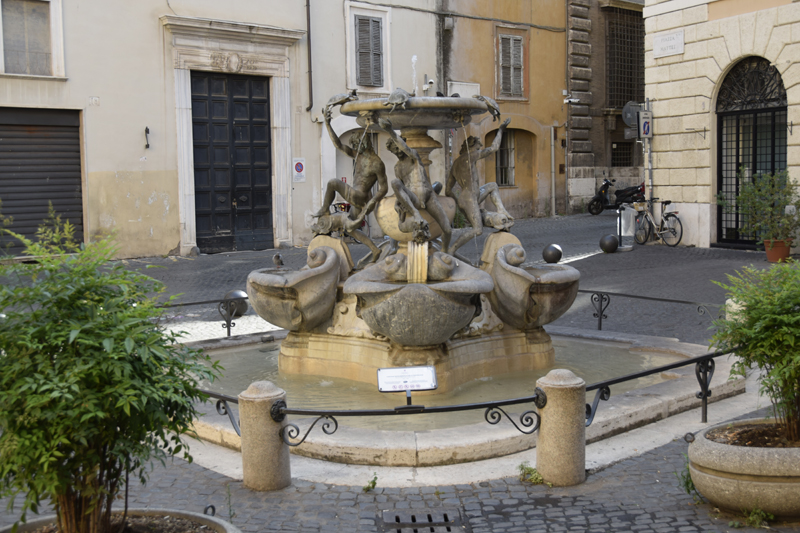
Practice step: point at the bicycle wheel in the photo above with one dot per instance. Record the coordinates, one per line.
(642, 232)
(673, 230)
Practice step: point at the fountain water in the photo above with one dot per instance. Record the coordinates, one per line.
(419, 304)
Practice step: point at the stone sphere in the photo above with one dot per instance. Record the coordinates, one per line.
(609, 244)
(239, 306)
(552, 253)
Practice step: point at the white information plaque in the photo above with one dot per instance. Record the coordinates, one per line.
(668, 44)
(407, 378)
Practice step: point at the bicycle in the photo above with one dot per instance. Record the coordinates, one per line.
(669, 230)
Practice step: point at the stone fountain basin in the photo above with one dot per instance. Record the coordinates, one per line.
(475, 442)
(417, 314)
(528, 297)
(427, 112)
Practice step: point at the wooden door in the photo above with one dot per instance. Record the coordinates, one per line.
(232, 162)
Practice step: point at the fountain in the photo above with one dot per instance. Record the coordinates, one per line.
(417, 301)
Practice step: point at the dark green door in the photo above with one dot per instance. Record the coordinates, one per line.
(232, 162)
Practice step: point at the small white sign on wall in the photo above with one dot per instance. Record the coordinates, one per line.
(668, 44)
(299, 170)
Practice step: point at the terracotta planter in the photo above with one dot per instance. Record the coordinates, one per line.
(214, 524)
(740, 478)
(777, 251)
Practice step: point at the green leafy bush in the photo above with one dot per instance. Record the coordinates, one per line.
(91, 389)
(765, 331)
(762, 203)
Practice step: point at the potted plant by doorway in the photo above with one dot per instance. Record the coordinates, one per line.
(755, 464)
(92, 390)
(768, 206)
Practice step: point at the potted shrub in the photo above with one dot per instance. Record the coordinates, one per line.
(91, 389)
(755, 464)
(769, 205)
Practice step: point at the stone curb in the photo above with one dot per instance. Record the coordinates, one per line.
(213, 523)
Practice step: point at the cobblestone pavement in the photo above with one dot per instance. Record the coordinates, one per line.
(640, 494)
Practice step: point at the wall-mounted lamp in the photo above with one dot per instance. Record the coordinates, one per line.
(146, 138)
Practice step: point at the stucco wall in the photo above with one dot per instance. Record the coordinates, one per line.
(684, 90)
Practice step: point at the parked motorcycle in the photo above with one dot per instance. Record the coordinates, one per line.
(621, 196)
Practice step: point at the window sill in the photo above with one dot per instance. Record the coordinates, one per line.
(508, 186)
(512, 99)
(32, 77)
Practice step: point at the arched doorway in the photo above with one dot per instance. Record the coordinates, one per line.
(751, 121)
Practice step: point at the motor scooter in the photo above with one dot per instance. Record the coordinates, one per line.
(621, 196)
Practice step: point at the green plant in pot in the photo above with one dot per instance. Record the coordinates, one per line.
(755, 463)
(91, 389)
(764, 330)
(768, 206)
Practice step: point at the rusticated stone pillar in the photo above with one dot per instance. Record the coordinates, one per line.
(265, 457)
(561, 446)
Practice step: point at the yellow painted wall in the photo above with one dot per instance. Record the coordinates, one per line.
(473, 60)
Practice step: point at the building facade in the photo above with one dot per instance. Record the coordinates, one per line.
(605, 72)
(187, 127)
(723, 78)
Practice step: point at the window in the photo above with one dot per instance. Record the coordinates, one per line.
(622, 154)
(510, 65)
(30, 38)
(624, 57)
(505, 160)
(368, 54)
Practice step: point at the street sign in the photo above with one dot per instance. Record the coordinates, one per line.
(629, 113)
(631, 133)
(646, 124)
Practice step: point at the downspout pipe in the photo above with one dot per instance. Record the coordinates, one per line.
(552, 171)
(310, 75)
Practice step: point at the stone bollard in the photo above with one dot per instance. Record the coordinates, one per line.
(265, 457)
(561, 446)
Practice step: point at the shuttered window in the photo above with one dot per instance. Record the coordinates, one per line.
(26, 37)
(511, 61)
(369, 51)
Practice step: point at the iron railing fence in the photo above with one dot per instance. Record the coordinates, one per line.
(602, 299)
(528, 421)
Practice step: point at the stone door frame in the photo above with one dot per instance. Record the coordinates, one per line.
(231, 47)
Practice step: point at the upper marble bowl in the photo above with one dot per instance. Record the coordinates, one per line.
(429, 112)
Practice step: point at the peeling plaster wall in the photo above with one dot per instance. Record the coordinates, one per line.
(140, 207)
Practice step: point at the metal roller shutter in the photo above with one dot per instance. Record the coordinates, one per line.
(40, 163)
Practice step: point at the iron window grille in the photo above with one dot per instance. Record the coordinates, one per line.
(624, 57)
(622, 154)
(505, 160)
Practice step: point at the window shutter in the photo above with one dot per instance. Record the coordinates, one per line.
(505, 64)
(511, 65)
(369, 51)
(516, 66)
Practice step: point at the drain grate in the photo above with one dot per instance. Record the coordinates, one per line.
(438, 520)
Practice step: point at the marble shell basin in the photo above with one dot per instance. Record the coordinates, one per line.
(418, 314)
(297, 300)
(388, 218)
(428, 112)
(530, 297)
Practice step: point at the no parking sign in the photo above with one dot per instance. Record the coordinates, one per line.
(646, 124)
(299, 169)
